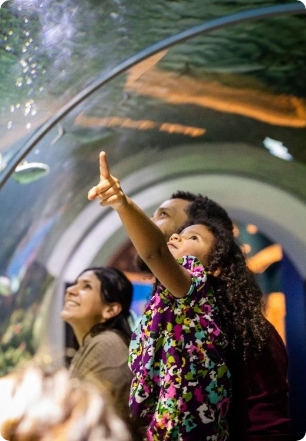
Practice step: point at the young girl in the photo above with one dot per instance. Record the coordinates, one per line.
(181, 386)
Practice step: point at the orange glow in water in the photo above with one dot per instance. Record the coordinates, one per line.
(276, 312)
(141, 124)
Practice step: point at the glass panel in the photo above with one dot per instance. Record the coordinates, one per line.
(229, 102)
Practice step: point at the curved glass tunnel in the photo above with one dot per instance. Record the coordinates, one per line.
(221, 112)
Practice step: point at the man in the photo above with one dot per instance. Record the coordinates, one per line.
(173, 213)
(259, 407)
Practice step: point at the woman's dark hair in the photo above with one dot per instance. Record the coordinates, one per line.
(115, 287)
(239, 298)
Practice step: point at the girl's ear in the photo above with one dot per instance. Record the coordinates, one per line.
(217, 272)
(111, 310)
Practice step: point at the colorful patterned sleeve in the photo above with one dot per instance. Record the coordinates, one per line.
(197, 271)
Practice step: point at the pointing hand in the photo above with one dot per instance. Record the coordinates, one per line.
(108, 190)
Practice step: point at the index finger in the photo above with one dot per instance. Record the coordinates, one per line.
(104, 170)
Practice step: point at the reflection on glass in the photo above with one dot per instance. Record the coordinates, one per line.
(27, 172)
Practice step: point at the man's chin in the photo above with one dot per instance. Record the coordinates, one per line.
(142, 266)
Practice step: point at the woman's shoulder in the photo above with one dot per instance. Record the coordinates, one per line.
(109, 335)
(106, 344)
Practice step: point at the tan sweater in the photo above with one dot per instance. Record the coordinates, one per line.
(103, 359)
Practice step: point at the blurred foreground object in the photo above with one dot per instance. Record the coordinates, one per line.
(5, 286)
(43, 405)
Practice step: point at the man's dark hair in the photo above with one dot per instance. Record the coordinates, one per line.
(202, 205)
(186, 195)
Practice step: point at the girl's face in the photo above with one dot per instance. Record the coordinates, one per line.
(195, 240)
(83, 305)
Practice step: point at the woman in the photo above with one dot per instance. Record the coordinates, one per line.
(97, 307)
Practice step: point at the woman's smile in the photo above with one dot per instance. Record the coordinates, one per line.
(70, 302)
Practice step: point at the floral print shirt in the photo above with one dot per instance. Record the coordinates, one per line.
(181, 386)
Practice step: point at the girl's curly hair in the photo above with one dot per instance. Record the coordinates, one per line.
(239, 298)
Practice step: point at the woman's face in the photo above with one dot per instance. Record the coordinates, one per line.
(83, 306)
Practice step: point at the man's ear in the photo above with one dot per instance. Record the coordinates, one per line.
(111, 310)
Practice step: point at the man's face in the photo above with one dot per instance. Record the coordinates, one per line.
(171, 216)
